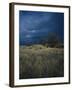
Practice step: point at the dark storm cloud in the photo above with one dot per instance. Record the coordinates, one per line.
(36, 25)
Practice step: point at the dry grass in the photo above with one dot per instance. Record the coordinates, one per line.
(38, 61)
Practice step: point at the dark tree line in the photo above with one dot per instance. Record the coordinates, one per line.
(52, 40)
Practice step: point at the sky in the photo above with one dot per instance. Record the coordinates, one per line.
(35, 26)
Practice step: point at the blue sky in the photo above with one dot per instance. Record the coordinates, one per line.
(35, 26)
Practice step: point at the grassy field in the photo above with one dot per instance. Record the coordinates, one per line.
(38, 61)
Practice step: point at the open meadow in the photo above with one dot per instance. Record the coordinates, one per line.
(39, 61)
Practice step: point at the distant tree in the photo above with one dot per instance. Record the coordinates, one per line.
(52, 39)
